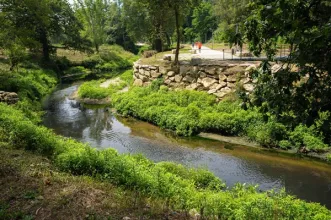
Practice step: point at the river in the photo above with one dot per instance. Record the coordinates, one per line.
(307, 179)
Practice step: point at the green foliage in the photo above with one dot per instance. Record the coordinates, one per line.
(92, 90)
(303, 136)
(299, 92)
(182, 188)
(32, 23)
(190, 112)
(31, 86)
(203, 22)
(110, 58)
(76, 70)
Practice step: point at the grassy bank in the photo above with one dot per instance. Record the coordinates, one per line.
(38, 190)
(190, 112)
(110, 61)
(180, 188)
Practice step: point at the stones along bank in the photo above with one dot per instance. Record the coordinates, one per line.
(216, 77)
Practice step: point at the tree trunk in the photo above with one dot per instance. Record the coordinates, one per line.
(178, 35)
(97, 47)
(158, 44)
(45, 44)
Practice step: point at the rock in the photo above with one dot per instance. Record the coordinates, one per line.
(188, 79)
(167, 57)
(234, 71)
(199, 80)
(147, 73)
(184, 69)
(172, 79)
(138, 82)
(231, 78)
(178, 78)
(226, 90)
(212, 91)
(126, 218)
(245, 80)
(210, 70)
(171, 73)
(275, 68)
(153, 68)
(173, 51)
(155, 74)
(143, 78)
(220, 94)
(195, 86)
(249, 87)
(219, 71)
(141, 71)
(222, 77)
(218, 86)
(202, 74)
(147, 83)
(164, 69)
(195, 69)
(167, 82)
(12, 95)
(250, 68)
(207, 82)
(231, 85)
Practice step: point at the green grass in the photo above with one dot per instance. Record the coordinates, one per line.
(92, 89)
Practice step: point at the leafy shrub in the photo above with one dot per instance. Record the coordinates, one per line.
(302, 136)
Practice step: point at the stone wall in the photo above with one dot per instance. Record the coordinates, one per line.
(8, 97)
(218, 77)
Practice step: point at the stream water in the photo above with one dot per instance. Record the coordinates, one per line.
(306, 179)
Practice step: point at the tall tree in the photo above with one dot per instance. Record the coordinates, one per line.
(33, 23)
(180, 9)
(231, 16)
(95, 14)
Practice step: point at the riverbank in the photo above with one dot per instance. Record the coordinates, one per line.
(38, 190)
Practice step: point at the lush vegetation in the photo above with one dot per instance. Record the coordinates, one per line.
(182, 189)
(190, 112)
(92, 89)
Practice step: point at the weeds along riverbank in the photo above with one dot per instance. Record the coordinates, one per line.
(191, 112)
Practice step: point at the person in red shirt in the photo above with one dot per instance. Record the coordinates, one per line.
(199, 46)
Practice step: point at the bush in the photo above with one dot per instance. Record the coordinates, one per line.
(302, 136)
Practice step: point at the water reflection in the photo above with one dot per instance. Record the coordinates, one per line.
(307, 179)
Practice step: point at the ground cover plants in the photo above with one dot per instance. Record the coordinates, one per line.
(190, 112)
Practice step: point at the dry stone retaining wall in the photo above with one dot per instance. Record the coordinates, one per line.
(218, 78)
(8, 97)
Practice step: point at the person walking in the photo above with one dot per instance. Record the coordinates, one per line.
(199, 46)
(192, 45)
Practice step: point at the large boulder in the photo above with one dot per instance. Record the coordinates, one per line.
(171, 73)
